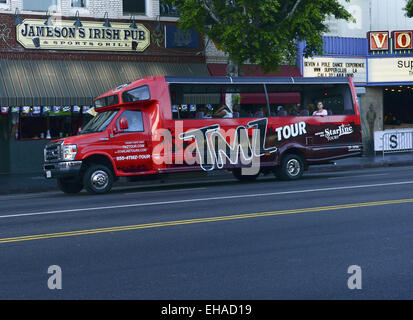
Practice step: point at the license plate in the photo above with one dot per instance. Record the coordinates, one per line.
(48, 174)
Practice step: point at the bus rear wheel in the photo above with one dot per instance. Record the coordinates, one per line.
(98, 179)
(68, 186)
(291, 167)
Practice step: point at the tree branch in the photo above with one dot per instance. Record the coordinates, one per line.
(211, 13)
(293, 9)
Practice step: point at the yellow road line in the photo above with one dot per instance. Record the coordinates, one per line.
(201, 220)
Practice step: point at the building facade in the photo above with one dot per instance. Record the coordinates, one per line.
(57, 55)
(377, 51)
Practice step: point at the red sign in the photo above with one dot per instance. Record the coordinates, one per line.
(402, 40)
(378, 40)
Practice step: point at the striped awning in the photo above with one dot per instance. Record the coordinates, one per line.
(68, 82)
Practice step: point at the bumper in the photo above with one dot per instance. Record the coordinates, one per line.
(62, 169)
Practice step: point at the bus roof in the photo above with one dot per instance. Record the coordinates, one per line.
(223, 80)
(254, 80)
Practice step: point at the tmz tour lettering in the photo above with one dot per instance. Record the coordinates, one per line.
(213, 149)
(292, 130)
(331, 135)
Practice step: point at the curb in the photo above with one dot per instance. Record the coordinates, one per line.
(370, 165)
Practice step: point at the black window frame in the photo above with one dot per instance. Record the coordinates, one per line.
(309, 94)
(326, 91)
(107, 103)
(223, 85)
(81, 1)
(127, 11)
(137, 88)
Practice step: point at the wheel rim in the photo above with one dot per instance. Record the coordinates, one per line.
(99, 179)
(293, 167)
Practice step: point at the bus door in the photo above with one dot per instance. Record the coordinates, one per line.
(131, 142)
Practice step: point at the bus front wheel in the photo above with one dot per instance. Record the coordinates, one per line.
(291, 167)
(98, 179)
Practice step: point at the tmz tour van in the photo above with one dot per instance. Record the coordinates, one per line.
(249, 126)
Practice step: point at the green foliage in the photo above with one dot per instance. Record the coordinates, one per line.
(260, 31)
(409, 8)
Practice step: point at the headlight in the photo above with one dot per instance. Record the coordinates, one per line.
(69, 152)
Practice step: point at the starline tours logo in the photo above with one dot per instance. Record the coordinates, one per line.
(334, 134)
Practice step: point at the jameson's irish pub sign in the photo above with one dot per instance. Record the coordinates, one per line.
(63, 35)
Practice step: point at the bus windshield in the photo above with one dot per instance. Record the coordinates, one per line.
(99, 122)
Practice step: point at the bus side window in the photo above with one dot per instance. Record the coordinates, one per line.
(250, 110)
(337, 99)
(203, 101)
(135, 120)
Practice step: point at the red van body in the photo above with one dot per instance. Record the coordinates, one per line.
(171, 123)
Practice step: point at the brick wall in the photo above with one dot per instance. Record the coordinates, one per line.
(11, 49)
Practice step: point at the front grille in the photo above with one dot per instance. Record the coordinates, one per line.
(52, 152)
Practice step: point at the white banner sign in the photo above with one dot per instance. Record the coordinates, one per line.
(393, 140)
(336, 67)
(32, 34)
(390, 69)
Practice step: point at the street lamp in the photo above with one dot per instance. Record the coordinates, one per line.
(17, 19)
(48, 21)
(107, 22)
(133, 24)
(78, 23)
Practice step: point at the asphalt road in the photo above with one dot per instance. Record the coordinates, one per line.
(228, 240)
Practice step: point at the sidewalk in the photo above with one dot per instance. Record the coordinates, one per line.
(32, 183)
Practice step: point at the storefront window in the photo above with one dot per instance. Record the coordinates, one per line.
(78, 3)
(167, 9)
(48, 122)
(134, 6)
(39, 5)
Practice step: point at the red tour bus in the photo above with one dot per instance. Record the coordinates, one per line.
(245, 125)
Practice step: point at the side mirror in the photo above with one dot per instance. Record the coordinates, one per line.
(123, 124)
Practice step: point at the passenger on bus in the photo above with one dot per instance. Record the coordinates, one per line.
(296, 110)
(203, 113)
(261, 112)
(223, 112)
(320, 110)
(236, 108)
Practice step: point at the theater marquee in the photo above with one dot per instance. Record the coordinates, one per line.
(336, 67)
(63, 35)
